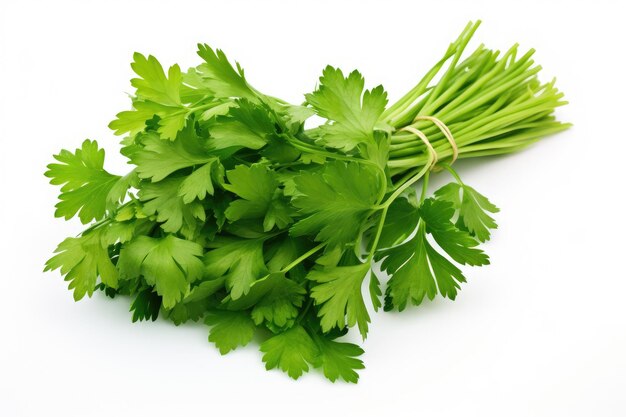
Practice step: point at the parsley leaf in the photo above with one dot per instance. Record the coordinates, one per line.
(336, 200)
(247, 125)
(457, 243)
(283, 251)
(473, 209)
(157, 158)
(230, 329)
(338, 291)
(84, 183)
(119, 231)
(354, 113)
(153, 84)
(200, 182)
(204, 289)
(261, 198)
(375, 291)
(412, 278)
(132, 121)
(146, 305)
(82, 260)
(338, 359)
(120, 190)
(157, 94)
(163, 200)
(292, 351)
(418, 270)
(279, 307)
(220, 76)
(240, 261)
(169, 264)
(187, 310)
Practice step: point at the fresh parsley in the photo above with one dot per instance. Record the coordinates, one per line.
(240, 214)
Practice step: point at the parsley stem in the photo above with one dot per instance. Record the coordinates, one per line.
(105, 220)
(452, 172)
(302, 258)
(424, 186)
(203, 107)
(404, 179)
(96, 225)
(400, 190)
(386, 204)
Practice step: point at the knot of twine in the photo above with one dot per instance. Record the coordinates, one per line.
(446, 132)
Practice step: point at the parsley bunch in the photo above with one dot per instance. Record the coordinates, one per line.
(239, 214)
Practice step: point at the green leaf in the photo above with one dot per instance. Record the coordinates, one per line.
(146, 305)
(117, 194)
(132, 121)
(159, 158)
(291, 351)
(457, 243)
(261, 198)
(218, 204)
(187, 310)
(256, 185)
(240, 261)
(247, 125)
(204, 289)
(82, 260)
(200, 182)
(169, 120)
(336, 200)
(338, 359)
(279, 307)
(354, 113)
(84, 183)
(297, 115)
(153, 84)
(338, 292)
(473, 209)
(170, 264)
(274, 300)
(230, 329)
(157, 94)
(284, 251)
(108, 291)
(162, 200)
(375, 291)
(278, 214)
(219, 75)
(279, 150)
(418, 270)
(123, 231)
(220, 109)
(195, 90)
(411, 276)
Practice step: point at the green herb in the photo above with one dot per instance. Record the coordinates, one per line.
(240, 214)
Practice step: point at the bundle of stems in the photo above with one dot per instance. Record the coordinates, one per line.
(492, 103)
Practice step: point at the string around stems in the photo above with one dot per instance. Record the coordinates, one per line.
(446, 132)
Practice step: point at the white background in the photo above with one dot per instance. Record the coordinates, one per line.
(540, 332)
